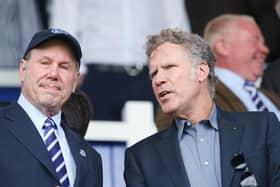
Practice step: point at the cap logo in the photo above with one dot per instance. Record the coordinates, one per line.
(58, 31)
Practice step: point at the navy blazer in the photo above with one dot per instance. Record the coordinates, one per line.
(24, 160)
(156, 161)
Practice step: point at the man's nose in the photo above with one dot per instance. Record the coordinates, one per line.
(159, 78)
(53, 71)
(264, 49)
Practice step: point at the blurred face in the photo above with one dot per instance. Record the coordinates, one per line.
(173, 78)
(277, 8)
(49, 76)
(247, 50)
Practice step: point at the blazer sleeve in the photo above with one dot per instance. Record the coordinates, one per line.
(99, 176)
(273, 144)
(132, 173)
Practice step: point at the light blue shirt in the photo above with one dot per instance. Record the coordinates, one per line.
(235, 83)
(200, 150)
(38, 119)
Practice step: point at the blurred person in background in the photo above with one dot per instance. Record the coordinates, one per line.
(18, 21)
(271, 77)
(78, 111)
(262, 11)
(241, 51)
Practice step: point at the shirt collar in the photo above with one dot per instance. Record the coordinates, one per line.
(229, 78)
(212, 119)
(36, 116)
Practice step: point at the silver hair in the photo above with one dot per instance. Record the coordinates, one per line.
(196, 48)
(220, 26)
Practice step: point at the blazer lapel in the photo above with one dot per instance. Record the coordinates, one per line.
(23, 129)
(169, 152)
(230, 138)
(227, 100)
(79, 154)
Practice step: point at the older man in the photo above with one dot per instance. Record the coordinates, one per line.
(38, 149)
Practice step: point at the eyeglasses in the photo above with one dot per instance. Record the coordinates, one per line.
(247, 178)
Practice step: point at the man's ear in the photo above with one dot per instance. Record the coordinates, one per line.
(220, 48)
(22, 69)
(76, 82)
(203, 71)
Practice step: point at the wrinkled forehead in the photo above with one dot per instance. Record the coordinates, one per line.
(58, 43)
(168, 48)
(55, 44)
(248, 25)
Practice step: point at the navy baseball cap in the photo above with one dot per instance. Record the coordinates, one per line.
(45, 35)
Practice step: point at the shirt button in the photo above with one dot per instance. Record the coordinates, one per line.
(201, 139)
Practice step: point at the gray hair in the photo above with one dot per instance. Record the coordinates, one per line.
(196, 48)
(220, 26)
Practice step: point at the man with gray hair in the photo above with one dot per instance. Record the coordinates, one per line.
(270, 80)
(241, 51)
(204, 146)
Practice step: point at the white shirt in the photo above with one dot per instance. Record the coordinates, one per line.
(115, 31)
(38, 119)
(235, 83)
